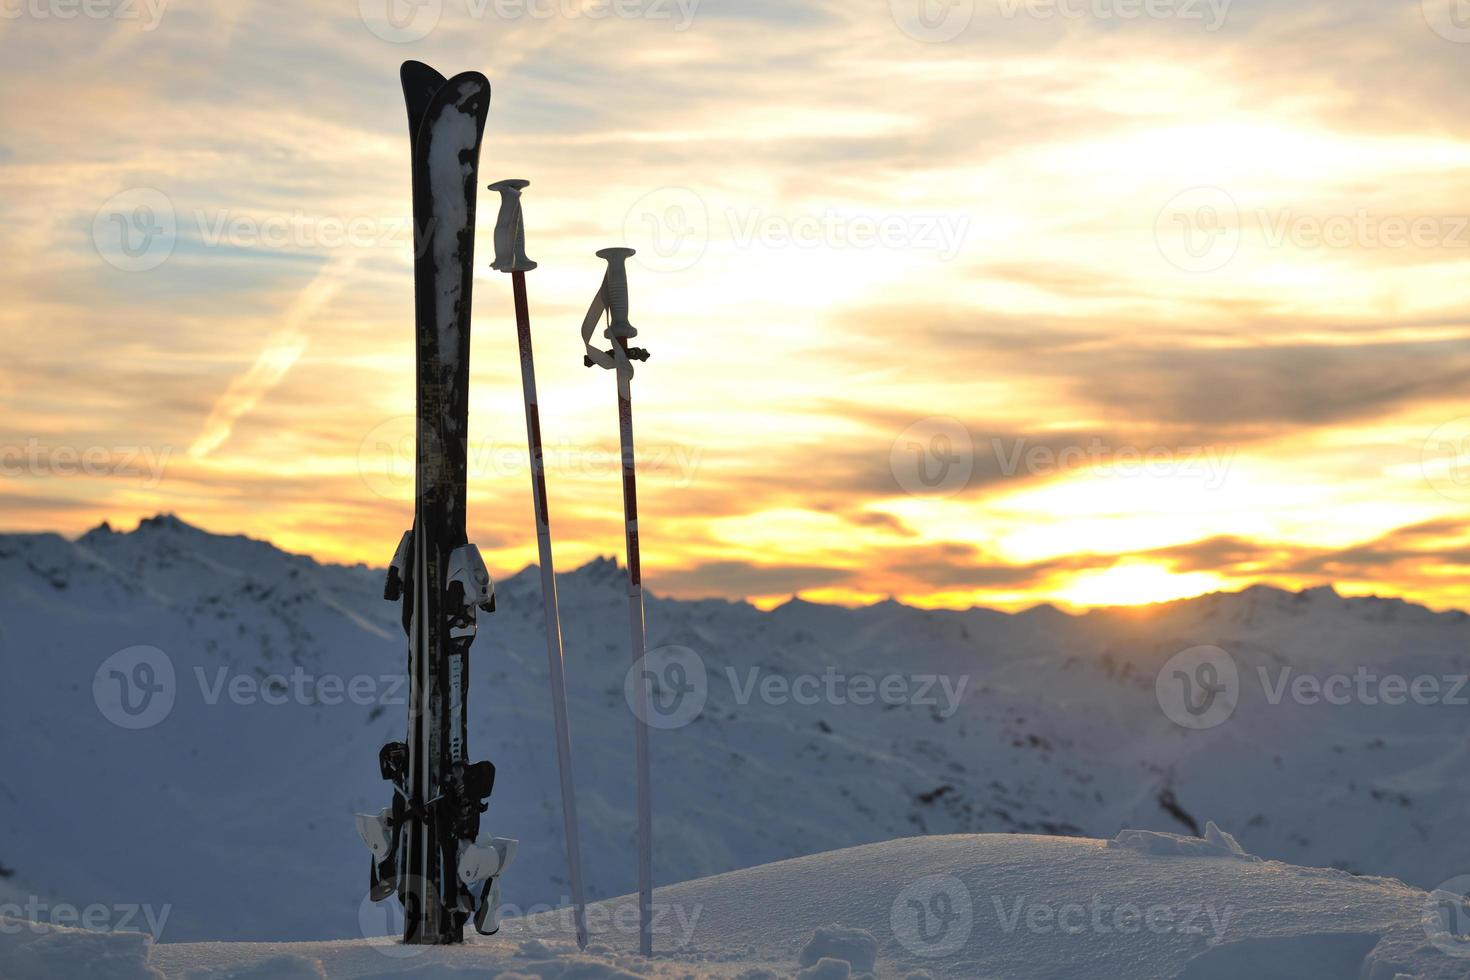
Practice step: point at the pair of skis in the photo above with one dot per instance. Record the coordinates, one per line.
(425, 846)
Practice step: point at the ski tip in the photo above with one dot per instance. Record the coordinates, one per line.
(417, 74)
(468, 85)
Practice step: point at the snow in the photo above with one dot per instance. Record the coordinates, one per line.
(451, 170)
(1028, 907)
(231, 817)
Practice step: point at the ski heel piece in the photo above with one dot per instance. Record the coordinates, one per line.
(486, 862)
(467, 570)
(377, 833)
(487, 916)
(398, 568)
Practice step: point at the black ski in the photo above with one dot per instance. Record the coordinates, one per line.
(424, 847)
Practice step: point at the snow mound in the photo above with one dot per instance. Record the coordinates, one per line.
(855, 947)
(1215, 843)
(934, 908)
(41, 951)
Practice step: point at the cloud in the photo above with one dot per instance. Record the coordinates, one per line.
(736, 578)
(277, 358)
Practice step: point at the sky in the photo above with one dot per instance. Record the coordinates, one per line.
(991, 302)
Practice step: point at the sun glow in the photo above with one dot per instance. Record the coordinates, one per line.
(1137, 584)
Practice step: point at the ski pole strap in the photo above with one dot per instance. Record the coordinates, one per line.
(612, 299)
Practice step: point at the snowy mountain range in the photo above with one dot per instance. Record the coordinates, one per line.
(191, 720)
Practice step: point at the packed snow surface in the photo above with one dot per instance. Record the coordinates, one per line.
(974, 906)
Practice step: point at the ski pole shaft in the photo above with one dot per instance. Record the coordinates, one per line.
(637, 644)
(554, 652)
(614, 298)
(510, 256)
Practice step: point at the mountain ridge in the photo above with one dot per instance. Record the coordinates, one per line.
(1027, 722)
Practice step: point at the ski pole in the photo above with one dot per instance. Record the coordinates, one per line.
(613, 298)
(510, 256)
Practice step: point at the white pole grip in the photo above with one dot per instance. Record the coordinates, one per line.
(616, 287)
(510, 229)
